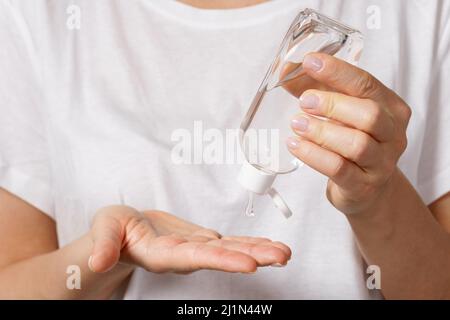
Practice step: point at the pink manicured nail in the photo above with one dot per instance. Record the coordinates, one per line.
(312, 63)
(293, 143)
(300, 124)
(90, 263)
(309, 101)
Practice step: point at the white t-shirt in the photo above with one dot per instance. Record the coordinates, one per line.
(87, 117)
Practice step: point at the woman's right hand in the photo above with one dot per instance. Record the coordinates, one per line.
(160, 242)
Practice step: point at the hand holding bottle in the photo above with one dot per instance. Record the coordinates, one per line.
(277, 99)
(359, 149)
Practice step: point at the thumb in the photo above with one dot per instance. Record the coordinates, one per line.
(107, 237)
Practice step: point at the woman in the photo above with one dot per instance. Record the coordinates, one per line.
(91, 92)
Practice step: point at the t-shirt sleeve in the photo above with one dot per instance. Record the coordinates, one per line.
(434, 166)
(24, 165)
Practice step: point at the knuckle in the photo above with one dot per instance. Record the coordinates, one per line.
(402, 111)
(136, 229)
(320, 134)
(366, 84)
(339, 168)
(333, 74)
(406, 112)
(331, 71)
(402, 143)
(329, 195)
(390, 126)
(330, 64)
(361, 147)
(330, 105)
(305, 152)
(373, 116)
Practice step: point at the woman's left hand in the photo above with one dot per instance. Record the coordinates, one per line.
(359, 147)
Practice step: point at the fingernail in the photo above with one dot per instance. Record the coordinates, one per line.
(300, 124)
(312, 63)
(90, 263)
(278, 265)
(293, 143)
(309, 101)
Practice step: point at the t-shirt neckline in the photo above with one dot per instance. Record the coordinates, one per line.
(250, 15)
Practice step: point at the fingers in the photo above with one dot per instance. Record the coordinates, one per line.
(175, 254)
(117, 229)
(353, 81)
(343, 76)
(247, 239)
(258, 240)
(205, 256)
(263, 250)
(350, 143)
(183, 247)
(184, 255)
(363, 114)
(332, 165)
(264, 253)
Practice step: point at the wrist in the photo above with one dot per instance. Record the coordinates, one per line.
(67, 275)
(382, 202)
(379, 219)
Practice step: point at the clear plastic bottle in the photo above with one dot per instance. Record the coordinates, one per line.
(265, 128)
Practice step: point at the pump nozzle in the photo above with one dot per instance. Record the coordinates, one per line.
(260, 182)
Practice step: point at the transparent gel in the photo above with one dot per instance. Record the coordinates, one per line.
(249, 210)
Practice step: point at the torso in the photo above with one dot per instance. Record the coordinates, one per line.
(135, 72)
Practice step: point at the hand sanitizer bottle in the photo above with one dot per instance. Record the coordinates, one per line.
(265, 128)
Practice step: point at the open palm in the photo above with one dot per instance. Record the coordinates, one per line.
(160, 242)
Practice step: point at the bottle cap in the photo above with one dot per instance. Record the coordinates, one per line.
(254, 179)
